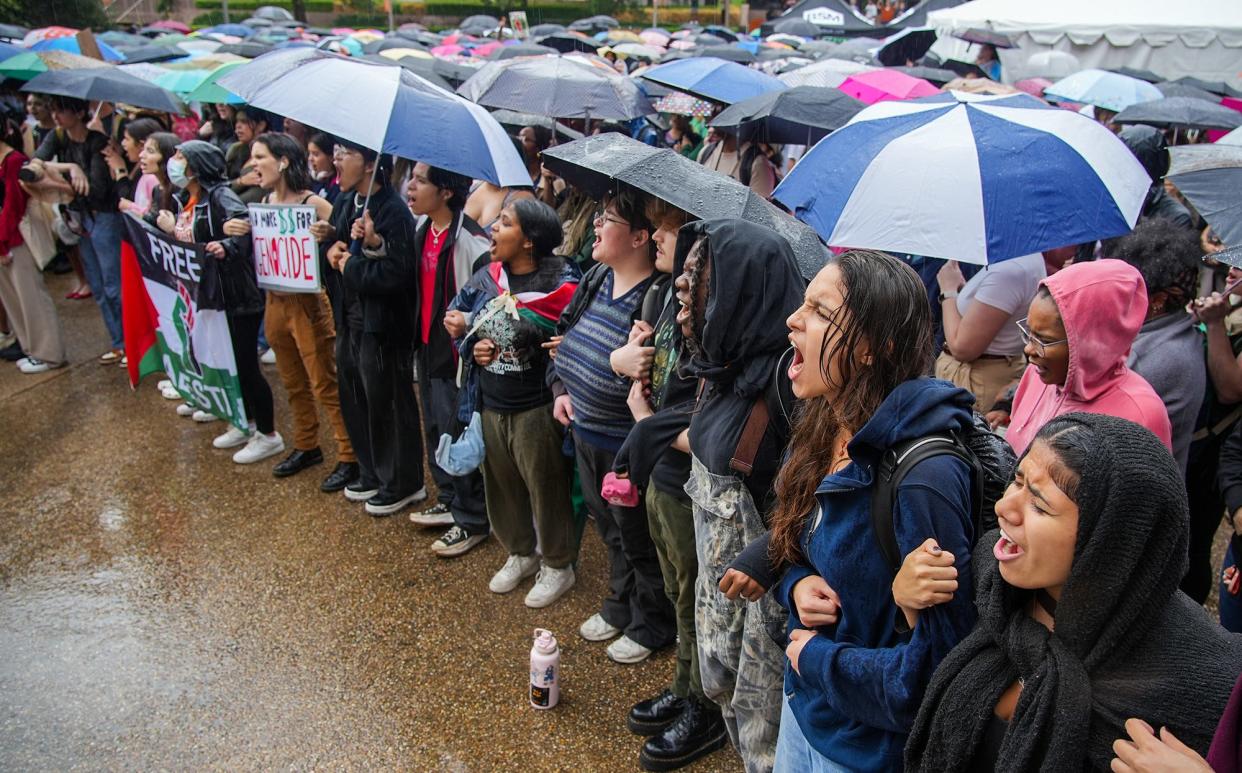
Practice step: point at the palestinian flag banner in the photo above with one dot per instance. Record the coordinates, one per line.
(172, 311)
(541, 309)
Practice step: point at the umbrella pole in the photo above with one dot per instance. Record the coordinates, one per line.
(355, 247)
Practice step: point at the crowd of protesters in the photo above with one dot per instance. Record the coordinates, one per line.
(726, 424)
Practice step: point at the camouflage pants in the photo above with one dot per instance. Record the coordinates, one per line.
(742, 666)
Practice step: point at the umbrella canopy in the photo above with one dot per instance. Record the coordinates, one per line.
(397, 54)
(985, 37)
(1181, 113)
(236, 30)
(639, 51)
(455, 73)
(479, 24)
(622, 36)
(684, 104)
(1033, 86)
(70, 45)
(407, 116)
(909, 45)
(1210, 176)
(424, 68)
(1132, 72)
(596, 164)
(12, 32)
(713, 79)
(933, 75)
(47, 33)
(273, 13)
(1103, 89)
(250, 50)
(1216, 87)
(25, 66)
(514, 120)
(727, 53)
(570, 41)
(562, 87)
(963, 69)
(882, 85)
(967, 177)
(980, 86)
(210, 92)
(795, 26)
(1171, 89)
(171, 24)
(1052, 65)
(182, 82)
(151, 53)
(828, 73)
(654, 36)
(118, 38)
(802, 115)
(105, 84)
(540, 30)
(521, 49)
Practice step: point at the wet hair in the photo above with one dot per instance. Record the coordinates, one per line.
(543, 137)
(885, 311)
(457, 184)
(659, 211)
(141, 128)
(1073, 444)
(285, 148)
(256, 116)
(79, 106)
(383, 161)
(1166, 254)
(540, 224)
(612, 127)
(322, 140)
(167, 142)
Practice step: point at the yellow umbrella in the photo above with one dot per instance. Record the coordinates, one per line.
(397, 54)
(366, 36)
(624, 36)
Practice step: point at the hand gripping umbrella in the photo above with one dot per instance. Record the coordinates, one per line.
(596, 164)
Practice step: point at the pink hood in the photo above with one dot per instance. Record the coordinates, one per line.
(1103, 305)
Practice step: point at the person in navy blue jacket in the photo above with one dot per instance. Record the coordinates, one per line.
(856, 673)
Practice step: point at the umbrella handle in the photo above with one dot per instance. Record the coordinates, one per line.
(355, 246)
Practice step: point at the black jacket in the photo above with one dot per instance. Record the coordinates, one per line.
(385, 281)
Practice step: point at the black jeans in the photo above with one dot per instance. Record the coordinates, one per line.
(256, 394)
(636, 602)
(462, 495)
(1207, 508)
(353, 404)
(386, 372)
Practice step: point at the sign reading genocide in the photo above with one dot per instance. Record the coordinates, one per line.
(286, 256)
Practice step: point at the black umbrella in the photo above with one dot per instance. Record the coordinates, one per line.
(722, 32)
(964, 69)
(562, 87)
(855, 49)
(606, 21)
(479, 24)
(795, 26)
(772, 54)
(540, 30)
(257, 22)
(116, 38)
(273, 13)
(384, 44)
(453, 72)
(906, 46)
(105, 84)
(12, 32)
(933, 74)
(708, 39)
(802, 115)
(597, 164)
(424, 68)
(1143, 75)
(248, 49)
(676, 53)
(150, 53)
(1216, 87)
(727, 53)
(565, 42)
(512, 119)
(521, 49)
(985, 37)
(590, 25)
(1210, 176)
(1181, 113)
(1171, 89)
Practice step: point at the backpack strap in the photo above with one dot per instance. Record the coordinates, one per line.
(893, 468)
(743, 459)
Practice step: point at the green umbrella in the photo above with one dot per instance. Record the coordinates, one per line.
(182, 82)
(209, 91)
(25, 66)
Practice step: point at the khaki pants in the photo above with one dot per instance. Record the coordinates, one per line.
(301, 331)
(983, 378)
(32, 314)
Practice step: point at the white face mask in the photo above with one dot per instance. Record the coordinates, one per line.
(176, 172)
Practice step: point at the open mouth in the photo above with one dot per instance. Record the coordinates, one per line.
(1006, 549)
(795, 366)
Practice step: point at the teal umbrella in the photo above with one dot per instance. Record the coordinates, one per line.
(182, 82)
(210, 91)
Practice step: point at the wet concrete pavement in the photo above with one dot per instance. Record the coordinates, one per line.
(164, 608)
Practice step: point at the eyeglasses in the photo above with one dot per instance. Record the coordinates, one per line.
(1028, 337)
(340, 152)
(601, 214)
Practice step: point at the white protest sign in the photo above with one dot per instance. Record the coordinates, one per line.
(286, 256)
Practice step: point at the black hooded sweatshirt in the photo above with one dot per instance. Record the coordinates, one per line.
(754, 285)
(1149, 147)
(217, 204)
(385, 283)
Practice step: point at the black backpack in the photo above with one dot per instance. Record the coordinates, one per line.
(991, 461)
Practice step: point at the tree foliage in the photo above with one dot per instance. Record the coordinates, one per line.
(65, 13)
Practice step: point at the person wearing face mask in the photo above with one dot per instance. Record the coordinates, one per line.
(735, 282)
(1083, 639)
(376, 313)
(198, 168)
(1078, 334)
(299, 326)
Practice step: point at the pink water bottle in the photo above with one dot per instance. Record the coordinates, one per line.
(545, 670)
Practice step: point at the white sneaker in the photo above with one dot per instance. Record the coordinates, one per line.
(626, 650)
(163, 384)
(436, 515)
(596, 628)
(355, 493)
(232, 438)
(550, 586)
(170, 393)
(203, 417)
(260, 447)
(268, 357)
(516, 569)
(185, 409)
(33, 365)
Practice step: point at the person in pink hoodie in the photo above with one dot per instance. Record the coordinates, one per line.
(1078, 335)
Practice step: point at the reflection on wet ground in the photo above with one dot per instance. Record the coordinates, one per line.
(162, 607)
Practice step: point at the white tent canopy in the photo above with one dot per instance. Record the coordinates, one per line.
(1173, 38)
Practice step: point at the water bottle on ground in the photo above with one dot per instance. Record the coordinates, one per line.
(545, 670)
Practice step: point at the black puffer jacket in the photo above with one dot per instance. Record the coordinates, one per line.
(218, 204)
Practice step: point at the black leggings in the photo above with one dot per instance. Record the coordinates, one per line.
(256, 394)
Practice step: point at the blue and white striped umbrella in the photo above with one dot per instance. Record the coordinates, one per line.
(387, 109)
(968, 177)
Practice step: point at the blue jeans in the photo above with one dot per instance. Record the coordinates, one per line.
(101, 262)
(1230, 605)
(794, 754)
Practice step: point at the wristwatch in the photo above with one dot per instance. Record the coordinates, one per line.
(948, 296)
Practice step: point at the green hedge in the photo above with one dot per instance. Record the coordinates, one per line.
(239, 7)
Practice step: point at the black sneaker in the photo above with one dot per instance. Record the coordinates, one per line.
(699, 731)
(361, 490)
(654, 714)
(297, 461)
(344, 474)
(436, 515)
(455, 542)
(385, 503)
(13, 352)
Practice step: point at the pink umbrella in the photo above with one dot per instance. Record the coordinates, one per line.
(1034, 86)
(883, 85)
(684, 45)
(444, 51)
(343, 31)
(170, 24)
(653, 38)
(486, 48)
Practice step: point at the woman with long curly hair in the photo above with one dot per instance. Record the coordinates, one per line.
(862, 340)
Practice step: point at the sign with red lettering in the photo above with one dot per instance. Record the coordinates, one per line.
(286, 256)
